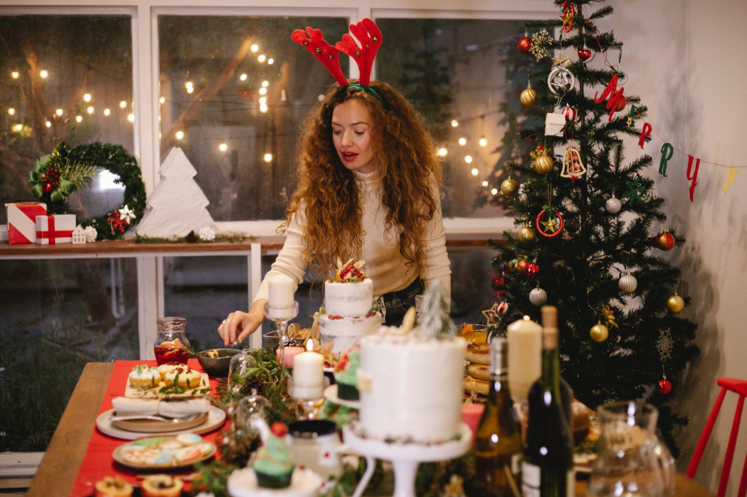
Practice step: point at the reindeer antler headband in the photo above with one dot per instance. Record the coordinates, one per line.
(368, 35)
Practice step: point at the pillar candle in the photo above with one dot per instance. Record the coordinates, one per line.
(290, 355)
(524, 357)
(308, 369)
(281, 293)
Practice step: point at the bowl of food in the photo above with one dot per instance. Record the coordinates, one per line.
(215, 362)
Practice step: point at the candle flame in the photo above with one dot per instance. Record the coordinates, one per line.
(526, 318)
(309, 345)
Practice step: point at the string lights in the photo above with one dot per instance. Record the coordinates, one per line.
(262, 58)
(162, 100)
(14, 75)
(107, 112)
(44, 73)
(87, 97)
(12, 111)
(122, 104)
(48, 124)
(131, 118)
(243, 77)
(90, 109)
(254, 48)
(268, 157)
(79, 119)
(468, 159)
(223, 147)
(179, 135)
(58, 112)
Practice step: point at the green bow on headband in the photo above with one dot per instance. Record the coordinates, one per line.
(370, 91)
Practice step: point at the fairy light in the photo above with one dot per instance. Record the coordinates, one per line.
(454, 123)
(107, 112)
(44, 73)
(442, 152)
(12, 111)
(131, 118)
(243, 77)
(265, 84)
(162, 100)
(484, 183)
(262, 58)
(263, 108)
(271, 61)
(87, 97)
(494, 191)
(462, 141)
(223, 147)
(58, 112)
(122, 104)
(18, 127)
(475, 172)
(90, 109)
(262, 100)
(15, 74)
(48, 124)
(468, 159)
(255, 48)
(483, 142)
(268, 157)
(79, 118)
(263, 91)
(179, 135)
(189, 86)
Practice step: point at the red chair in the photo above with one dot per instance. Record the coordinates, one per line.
(740, 388)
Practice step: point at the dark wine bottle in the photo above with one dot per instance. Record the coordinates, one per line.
(498, 445)
(548, 467)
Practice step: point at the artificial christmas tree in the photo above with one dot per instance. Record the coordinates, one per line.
(177, 205)
(597, 258)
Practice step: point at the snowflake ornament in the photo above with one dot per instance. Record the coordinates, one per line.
(126, 214)
(207, 234)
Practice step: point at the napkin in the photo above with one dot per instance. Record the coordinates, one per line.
(168, 408)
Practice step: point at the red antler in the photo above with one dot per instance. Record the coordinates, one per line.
(326, 53)
(369, 36)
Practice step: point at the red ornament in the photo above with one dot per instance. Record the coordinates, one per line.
(664, 386)
(621, 104)
(531, 269)
(569, 113)
(665, 240)
(584, 53)
(522, 265)
(525, 45)
(502, 308)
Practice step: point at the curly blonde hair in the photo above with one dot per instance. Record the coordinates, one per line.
(327, 191)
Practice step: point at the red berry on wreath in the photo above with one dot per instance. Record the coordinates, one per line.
(664, 386)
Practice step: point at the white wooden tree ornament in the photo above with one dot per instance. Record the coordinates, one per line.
(177, 205)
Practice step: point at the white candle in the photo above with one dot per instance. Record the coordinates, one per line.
(308, 374)
(281, 294)
(524, 357)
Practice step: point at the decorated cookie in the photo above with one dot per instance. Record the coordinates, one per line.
(144, 377)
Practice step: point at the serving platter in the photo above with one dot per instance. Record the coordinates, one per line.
(215, 419)
(118, 455)
(154, 426)
(156, 392)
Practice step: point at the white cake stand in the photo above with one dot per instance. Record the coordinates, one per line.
(405, 457)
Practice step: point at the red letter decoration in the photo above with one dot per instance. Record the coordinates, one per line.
(644, 133)
(694, 177)
(614, 96)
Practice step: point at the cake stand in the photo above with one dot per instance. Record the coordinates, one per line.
(405, 457)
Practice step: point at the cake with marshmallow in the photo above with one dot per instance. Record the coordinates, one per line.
(348, 307)
(426, 364)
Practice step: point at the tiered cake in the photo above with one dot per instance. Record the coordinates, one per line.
(348, 301)
(410, 382)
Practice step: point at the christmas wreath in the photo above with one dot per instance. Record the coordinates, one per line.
(57, 175)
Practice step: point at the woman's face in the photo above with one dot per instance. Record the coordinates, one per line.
(351, 134)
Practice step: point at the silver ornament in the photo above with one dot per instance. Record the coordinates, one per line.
(613, 205)
(628, 283)
(560, 80)
(538, 296)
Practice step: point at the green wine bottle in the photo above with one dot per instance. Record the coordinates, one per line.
(548, 467)
(498, 445)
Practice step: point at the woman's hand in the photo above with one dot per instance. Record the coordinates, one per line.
(239, 325)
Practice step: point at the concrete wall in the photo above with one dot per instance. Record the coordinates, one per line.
(686, 60)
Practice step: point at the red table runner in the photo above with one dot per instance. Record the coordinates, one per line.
(98, 461)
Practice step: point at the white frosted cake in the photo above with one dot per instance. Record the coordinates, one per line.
(410, 387)
(348, 302)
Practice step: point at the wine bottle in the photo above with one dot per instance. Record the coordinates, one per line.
(548, 466)
(498, 445)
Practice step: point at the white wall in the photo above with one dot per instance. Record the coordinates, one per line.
(686, 60)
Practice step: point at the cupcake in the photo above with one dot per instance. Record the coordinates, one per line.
(273, 464)
(346, 371)
(162, 486)
(184, 377)
(144, 376)
(113, 487)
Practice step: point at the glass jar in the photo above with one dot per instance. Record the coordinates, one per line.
(171, 344)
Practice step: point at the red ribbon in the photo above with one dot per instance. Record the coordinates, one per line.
(50, 233)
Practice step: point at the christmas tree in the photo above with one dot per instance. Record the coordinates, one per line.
(587, 242)
(177, 205)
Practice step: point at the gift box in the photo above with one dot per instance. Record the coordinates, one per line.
(22, 221)
(57, 228)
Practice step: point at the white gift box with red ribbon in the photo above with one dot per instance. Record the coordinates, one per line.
(57, 228)
(22, 221)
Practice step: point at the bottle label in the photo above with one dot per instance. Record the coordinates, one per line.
(530, 480)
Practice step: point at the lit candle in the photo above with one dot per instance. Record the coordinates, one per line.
(290, 354)
(524, 357)
(308, 374)
(281, 294)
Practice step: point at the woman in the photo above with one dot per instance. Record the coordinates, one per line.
(368, 181)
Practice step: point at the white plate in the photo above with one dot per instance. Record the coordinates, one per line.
(104, 424)
(330, 393)
(304, 483)
(117, 455)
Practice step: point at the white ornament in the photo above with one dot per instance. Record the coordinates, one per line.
(538, 296)
(502, 308)
(207, 234)
(91, 234)
(560, 80)
(554, 124)
(628, 283)
(177, 205)
(613, 205)
(79, 235)
(126, 214)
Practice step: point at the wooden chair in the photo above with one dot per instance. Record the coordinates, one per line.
(740, 388)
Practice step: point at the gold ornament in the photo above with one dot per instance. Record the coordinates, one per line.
(513, 264)
(599, 332)
(541, 161)
(527, 234)
(675, 303)
(528, 96)
(509, 187)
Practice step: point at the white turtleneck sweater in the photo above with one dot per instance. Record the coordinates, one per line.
(384, 264)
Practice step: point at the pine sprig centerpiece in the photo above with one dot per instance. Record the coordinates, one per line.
(604, 271)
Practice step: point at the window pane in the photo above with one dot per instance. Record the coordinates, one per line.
(455, 69)
(58, 77)
(205, 290)
(215, 104)
(55, 316)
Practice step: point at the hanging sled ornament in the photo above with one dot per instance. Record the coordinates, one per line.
(569, 13)
(560, 80)
(541, 160)
(549, 222)
(573, 167)
(538, 296)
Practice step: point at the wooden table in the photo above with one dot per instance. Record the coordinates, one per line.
(62, 460)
